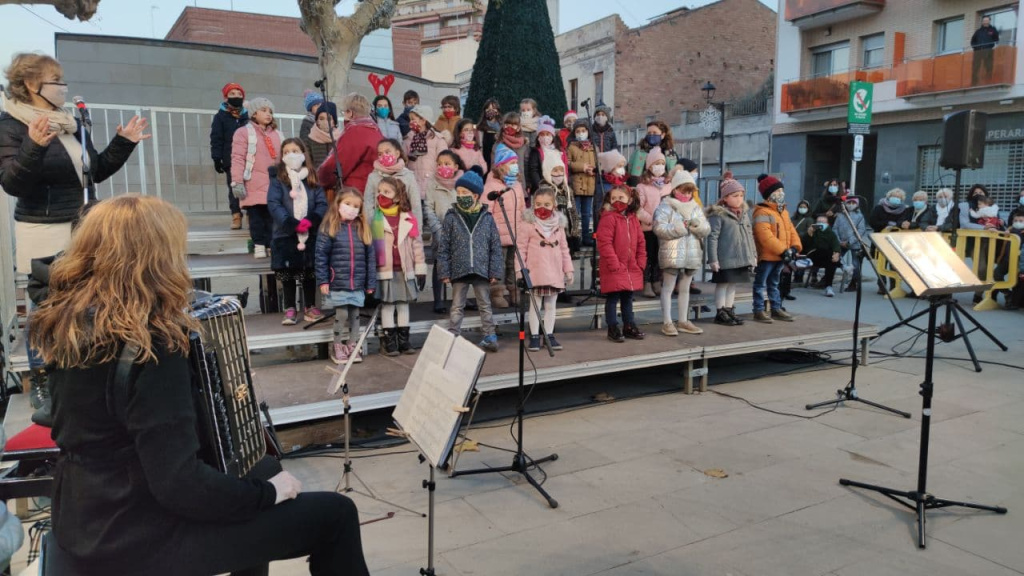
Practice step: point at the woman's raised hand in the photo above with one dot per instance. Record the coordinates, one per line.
(135, 129)
(40, 133)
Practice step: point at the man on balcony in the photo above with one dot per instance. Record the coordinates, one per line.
(983, 41)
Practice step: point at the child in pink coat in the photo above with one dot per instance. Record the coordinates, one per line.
(504, 178)
(545, 249)
(651, 189)
(255, 152)
(422, 145)
(465, 145)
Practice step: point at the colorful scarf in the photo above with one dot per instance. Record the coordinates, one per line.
(235, 112)
(320, 137)
(377, 233)
(395, 168)
(418, 144)
(513, 142)
(448, 183)
(585, 144)
(614, 179)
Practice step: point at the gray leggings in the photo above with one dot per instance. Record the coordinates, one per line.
(340, 315)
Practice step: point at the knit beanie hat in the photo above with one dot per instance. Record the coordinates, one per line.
(767, 184)
(680, 177)
(687, 164)
(504, 155)
(331, 108)
(729, 186)
(232, 86)
(653, 156)
(261, 102)
(471, 180)
(570, 114)
(610, 160)
(423, 111)
(603, 108)
(312, 98)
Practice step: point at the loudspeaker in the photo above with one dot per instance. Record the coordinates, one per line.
(963, 140)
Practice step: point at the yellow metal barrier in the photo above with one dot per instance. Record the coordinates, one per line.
(985, 248)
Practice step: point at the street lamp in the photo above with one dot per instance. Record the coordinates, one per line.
(709, 94)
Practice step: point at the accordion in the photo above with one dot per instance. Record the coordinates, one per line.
(231, 434)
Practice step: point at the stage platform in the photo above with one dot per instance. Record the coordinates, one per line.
(298, 392)
(265, 331)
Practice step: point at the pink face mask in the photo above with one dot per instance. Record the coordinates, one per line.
(387, 160)
(347, 212)
(446, 172)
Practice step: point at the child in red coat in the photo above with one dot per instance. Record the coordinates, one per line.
(621, 246)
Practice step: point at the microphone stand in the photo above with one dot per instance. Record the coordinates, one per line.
(850, 391)
(84, 140)
(519, 459)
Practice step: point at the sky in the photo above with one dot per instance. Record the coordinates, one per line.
(31, 27)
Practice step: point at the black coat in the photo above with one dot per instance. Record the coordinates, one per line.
(125, 483)
(604, 139)
(222, 130)
(881, 219)
(985, 38)
(928, 217)
(44, 180)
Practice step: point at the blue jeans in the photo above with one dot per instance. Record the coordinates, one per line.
(766, 279)
(585, 206)
(611, 300)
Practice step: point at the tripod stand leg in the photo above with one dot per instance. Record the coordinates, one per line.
(984, 330)
(551, 501)
(881, 407)
(966, 338)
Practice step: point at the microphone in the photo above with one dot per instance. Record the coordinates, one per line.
(83, 111)
(495, 194)
(585, 103)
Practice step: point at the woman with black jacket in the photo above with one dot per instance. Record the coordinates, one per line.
(41, 157)
(131, 497)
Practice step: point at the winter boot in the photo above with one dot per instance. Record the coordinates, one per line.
(615, 334)
(763, 316)
(389, 342)
(633, 332)
(731, 311)
(724, 318)
(403, 341)
(39, 398)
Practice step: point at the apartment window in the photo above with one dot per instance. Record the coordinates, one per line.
(431, 29)
(830, 60)
(457, 22)
(874, 50)
(951, 36)
(574, 93)
(1005, 21)
(599, 88)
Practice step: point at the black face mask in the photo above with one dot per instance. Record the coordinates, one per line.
(236, 102)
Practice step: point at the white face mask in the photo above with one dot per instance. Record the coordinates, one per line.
(942, 202)
(1018, 225)
(526, 114)
(294, 160)
(557, 180)
(546, 141)
(620, 171)
(582, 135)
(55, 94)
(658, 170)
(601, 120)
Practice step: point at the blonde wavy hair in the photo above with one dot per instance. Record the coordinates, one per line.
(123, 279)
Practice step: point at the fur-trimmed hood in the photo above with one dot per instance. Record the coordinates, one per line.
(722, 211)
(530, 218)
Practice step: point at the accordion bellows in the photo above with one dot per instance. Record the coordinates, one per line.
(231, 433)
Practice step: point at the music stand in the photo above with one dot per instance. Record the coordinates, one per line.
(897, 246)
(933, 270)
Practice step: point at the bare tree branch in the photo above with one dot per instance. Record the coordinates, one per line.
(71, 9)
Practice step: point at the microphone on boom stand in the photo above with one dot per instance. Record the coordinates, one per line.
(83, 110)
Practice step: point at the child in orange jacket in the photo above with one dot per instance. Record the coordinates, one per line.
(776, 241)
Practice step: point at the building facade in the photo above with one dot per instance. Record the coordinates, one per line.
(918, 55)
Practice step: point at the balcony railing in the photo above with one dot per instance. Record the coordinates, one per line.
(813, 13)
(453, 31)
(953, 72)
(826, 91)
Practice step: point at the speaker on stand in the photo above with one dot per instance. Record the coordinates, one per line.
(963, 146)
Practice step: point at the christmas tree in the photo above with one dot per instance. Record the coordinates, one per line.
(517, 59)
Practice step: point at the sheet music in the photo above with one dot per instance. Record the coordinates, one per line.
(440, 382)
(930, 268)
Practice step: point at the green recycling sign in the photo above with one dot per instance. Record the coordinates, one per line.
(861, 97)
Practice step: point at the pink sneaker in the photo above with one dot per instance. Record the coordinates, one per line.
(313, 314)
(355, 351)
(289, 317)
(339, 353)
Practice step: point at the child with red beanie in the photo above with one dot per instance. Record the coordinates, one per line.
(777, 242)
